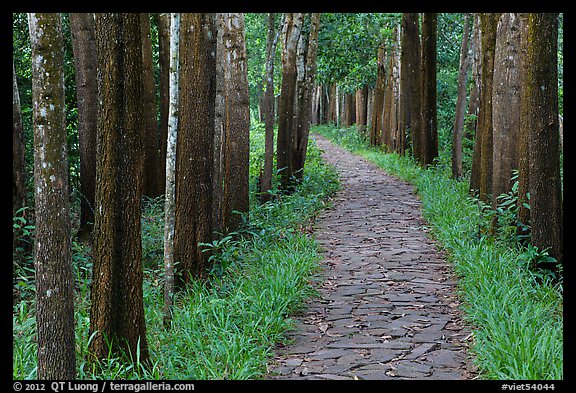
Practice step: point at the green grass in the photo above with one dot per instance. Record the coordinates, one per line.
(515, 312)
(222, 328)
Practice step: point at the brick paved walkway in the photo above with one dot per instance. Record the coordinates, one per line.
(388, 308)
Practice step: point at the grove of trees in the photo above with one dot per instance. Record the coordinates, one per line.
(109, 109)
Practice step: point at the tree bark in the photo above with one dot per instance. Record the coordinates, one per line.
(236, 124)
(410, 80)
(481, 178)
(286, 107)
(195, 145)
(474, 100)
(85, 64)
(52, 246)
(18, 151)
(266, 180)
(117, 309)
(170, 196)
(153, 178)
(387, 129)
(305, 100)
(428, 123)
(540, 102)
(506, 104)
(164, 87)
(361, 101)
(460, 103)
(219, 134)
(376, 129)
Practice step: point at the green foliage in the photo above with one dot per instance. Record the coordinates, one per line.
(222, 328)
(348, 47)
(515, 310)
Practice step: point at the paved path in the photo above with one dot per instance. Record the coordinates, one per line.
(388, 308)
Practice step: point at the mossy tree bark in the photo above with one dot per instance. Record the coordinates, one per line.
(539, 101)
(481, 177)
(410, 80)
(236, 123)
(195, 144)
(428, 122)
(506, 104)
(52, 247)
(117, 310)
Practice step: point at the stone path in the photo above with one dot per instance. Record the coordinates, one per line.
(388, 308)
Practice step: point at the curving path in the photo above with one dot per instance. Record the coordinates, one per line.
(388, 308)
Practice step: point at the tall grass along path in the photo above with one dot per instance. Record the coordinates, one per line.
(388, 307)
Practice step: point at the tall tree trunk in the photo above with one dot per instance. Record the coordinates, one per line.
(376, 129)
(428, 123)
(18, 151)
(163, 87)
(410, 80)
(460, 103)
(85, 61)
(286, 107)
(52, 254)
(387, 130)
(170, 196)
(195, 145)
(219, 134)
(305, 101)
(361, 99)
(481, 178)
(506, 104)
(331, 112)
(474, 100)
(540, 98)
(236, 123)
(266, 180)
(153, 184)
(117, 309)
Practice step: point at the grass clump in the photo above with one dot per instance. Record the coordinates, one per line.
(515, 311)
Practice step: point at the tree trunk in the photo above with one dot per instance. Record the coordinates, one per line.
(331, 112)
(286, 107)
(428, 123)
(481, 178)
(506, 104)
(387, 130)
(85, 61)
(361, 101)
(18, 151)
(52, 248)
(195, 145)
(219, 134)
(170, 196)
(164, 87)
(266, 180)
(376, 129)
(153, 179)
(410, 80)
(117, 310)
(236, 124)
(540, 98)
(474, 100)
(303, 122)
(460, 103)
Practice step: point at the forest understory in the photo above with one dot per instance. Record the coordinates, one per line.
(189, 188)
